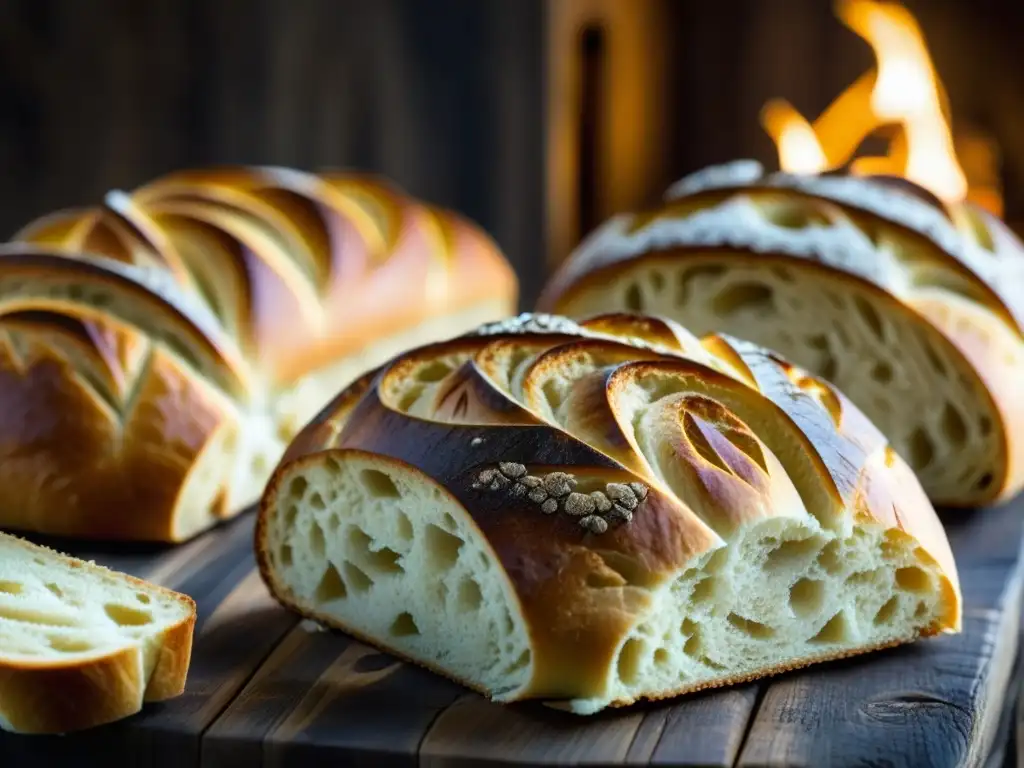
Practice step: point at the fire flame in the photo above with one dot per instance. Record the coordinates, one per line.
(902, 92)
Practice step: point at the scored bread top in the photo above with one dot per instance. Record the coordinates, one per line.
(622, 441)
(732, 241)
(186, 330)
(247, 246)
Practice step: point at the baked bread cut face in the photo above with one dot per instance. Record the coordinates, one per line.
(913, 308)
(159, 351)
(592, 514)
(81, 645)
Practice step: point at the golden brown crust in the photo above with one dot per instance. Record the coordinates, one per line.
(738, 436)
(155, 324)
(954, 272)
(48, 696)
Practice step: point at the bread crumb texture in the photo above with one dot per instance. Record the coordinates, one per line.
(886, 295)
(116, 640)
(712, 536)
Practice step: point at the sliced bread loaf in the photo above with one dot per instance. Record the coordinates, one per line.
(81, 645)
(599, 513)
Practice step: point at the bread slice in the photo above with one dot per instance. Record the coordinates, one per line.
(911, 308)
(81, 645)
(594, 514)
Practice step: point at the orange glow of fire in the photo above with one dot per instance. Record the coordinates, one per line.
(902, 92)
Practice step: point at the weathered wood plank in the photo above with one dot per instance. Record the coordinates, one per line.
(703, 730)
(322, 695)
(264, 690)
(935, 703)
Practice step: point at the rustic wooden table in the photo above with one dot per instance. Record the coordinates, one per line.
(265, 689)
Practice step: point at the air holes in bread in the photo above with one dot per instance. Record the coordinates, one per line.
(829, 367)
(54, 590)
(284, 556)
(818, 341)
(920, 448)
(374, 558)
(331, 586)
(125, 616)
(317, 542)
(442, 548)
(693, 646)
(882, 372)
(404, 625)
(870, 317)
(297, 487)
(33, 616)
(806, 597)
(836, 630)
(792, 554)
(316, 501)
(754, 629)
(522, 662)
(740, 296)
(984, 481)
(10, 587)
(704, 590)
(829, 558)
(913, 579)
(630, 657)
(702, 276)
(69, 644)
(657, 281)
(633, 299)
(953, 425)
(378, 485)
(357, 577)
(404, 526)
(470, 597)
(887, 611)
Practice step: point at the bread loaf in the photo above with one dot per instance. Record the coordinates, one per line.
(593, 514)
(913, 308)
(159, 351)
(81, 645)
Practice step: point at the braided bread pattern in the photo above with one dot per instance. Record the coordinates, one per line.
(603, 511)
(158, 351)
(871, 283)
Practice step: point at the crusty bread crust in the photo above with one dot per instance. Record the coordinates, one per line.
(48, 696)
(186, 331)
(751, 437)
(952, 274)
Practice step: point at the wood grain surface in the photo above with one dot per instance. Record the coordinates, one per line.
(265, 689)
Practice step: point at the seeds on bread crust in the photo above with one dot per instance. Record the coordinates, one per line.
(555, 492)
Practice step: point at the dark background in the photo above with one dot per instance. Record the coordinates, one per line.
(537, 118)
